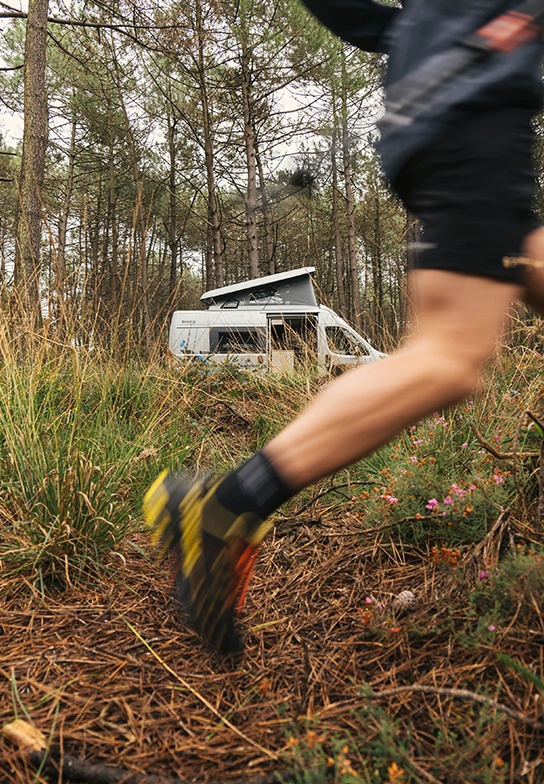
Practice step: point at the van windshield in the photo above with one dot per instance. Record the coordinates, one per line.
(341, 341)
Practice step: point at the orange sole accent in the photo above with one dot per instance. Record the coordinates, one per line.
(244, 570)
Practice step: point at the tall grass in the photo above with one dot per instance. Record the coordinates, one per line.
(83, 433)
(69, 438)
(84, 430)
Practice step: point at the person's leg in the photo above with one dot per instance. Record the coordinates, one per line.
(214, 526)
(459, 319)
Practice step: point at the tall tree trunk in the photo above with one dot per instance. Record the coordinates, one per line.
(140, 222)
(267, 218)
(338, 256)
(114, 297)
(249, 142)
(350, 207)
(63, 224)
(29, 212)
(377, 276)
(172, 226)
(215, 262)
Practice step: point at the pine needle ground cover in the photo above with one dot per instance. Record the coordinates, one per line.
(394, 621)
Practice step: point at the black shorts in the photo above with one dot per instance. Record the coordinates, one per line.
(473, 190)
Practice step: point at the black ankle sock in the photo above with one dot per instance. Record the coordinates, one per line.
(255, 487)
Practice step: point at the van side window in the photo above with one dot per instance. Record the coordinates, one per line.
(241, 340)
(341, 342)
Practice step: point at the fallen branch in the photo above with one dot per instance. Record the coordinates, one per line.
(462, 694)
(32, 744)
(85, 772)
(495, 452)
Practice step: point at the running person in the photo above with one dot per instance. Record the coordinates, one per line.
(464, 168)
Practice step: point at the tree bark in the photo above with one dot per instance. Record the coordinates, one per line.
(141, 285)
(249, 142)
(214, 248)
(29, 212)
(267, 218)
(63, 225)
(338, 260)
(350, 207)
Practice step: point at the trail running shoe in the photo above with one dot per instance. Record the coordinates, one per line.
(211, 573)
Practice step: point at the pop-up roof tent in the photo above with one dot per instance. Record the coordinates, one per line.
(285, 288)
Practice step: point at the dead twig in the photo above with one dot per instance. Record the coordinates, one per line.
(323, 493)
(495, 452)
(463, 694)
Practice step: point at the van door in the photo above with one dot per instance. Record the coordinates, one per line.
(292, 341)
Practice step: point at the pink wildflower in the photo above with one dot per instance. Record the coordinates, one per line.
(389, 498)
(458, 491)
(484, 574)
(432, 503)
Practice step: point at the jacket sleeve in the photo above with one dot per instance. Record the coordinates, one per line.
(360, 22)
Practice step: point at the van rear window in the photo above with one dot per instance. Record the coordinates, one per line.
(242, 340)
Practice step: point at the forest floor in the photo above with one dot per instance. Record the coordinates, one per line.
(340, 680)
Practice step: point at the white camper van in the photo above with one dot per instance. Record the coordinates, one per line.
(274, 322)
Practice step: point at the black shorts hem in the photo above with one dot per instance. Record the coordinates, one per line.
(473, 191)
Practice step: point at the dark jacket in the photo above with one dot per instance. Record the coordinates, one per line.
(417, 32)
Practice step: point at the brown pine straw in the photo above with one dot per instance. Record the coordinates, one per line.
(111, 675)
(199, 696)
